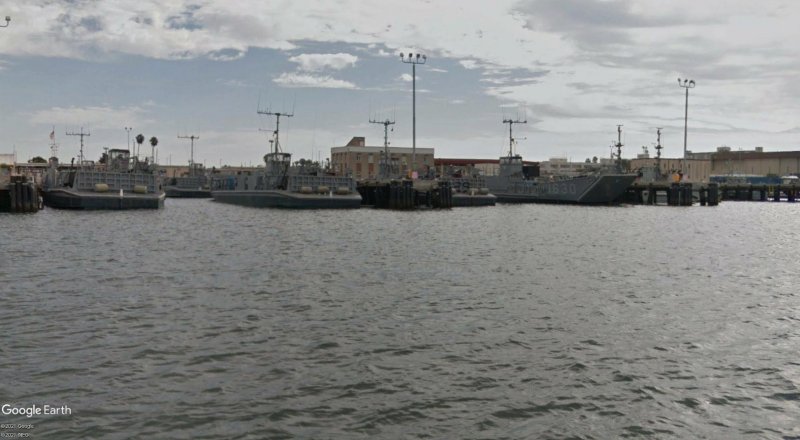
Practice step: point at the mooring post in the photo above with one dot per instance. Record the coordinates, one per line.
(713, 194)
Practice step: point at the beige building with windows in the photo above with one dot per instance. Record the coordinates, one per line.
(360, 161)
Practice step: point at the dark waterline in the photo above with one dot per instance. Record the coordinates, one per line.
(205, 320)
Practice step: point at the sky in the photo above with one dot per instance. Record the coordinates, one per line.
(573, 69)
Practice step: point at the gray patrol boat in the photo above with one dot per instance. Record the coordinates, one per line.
(601, 186)
(121, 184)
(281, 185)
(195, 185)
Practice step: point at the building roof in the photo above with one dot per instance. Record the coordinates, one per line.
(742, 155)
(464, 162)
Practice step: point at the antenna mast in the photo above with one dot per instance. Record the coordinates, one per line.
(81, 134)
(277, 124)
(191, 157)
(658, 149)
(618, 145)
(385, 162)
(511, 123)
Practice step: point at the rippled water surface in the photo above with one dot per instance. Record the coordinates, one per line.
(206, 321)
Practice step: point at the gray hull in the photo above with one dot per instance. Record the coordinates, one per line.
(286, 199)
(600, 189)
(66, 198)
(187, 193)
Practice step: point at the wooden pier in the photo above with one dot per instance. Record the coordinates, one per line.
(19, 196)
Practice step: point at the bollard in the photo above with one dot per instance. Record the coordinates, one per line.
(651, 195)
(713, 194)
(672, 195)
(393, 195)
(28, 190)
(687, 194)
(12, 205)
(20, 207)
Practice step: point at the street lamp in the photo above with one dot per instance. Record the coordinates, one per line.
(128, 129)
(686, 84)
(8, 20)
(413, 59)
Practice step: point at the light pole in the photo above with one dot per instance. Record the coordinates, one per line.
(414, 60)
(686, 84)
(128, 129)
(8, 21)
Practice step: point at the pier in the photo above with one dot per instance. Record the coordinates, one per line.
(761, 193)
(19, 196)
(405, 194)
(674, 194)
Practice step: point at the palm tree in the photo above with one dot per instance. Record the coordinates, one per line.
(140, 141)
(153, 143)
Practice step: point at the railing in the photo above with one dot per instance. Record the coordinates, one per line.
(85, 180)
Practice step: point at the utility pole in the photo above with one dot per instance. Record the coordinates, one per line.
(686, 84)
(128, 129)
(81, 134)
(414, 60)
(384, 171)
(511, 123)
(191, 158)
(277, 115)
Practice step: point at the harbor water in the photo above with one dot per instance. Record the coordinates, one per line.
(207, 321)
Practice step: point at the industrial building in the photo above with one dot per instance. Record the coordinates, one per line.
(360, 161)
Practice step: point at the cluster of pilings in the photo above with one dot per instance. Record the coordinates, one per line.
(777, 193)
(19, 196)
(676, 194)
(401, 195)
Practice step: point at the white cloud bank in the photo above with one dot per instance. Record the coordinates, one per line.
(313, 81)
(313, 62)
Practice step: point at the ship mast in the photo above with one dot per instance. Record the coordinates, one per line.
(191, 157)
(619, 145)
(81, 134)
(658, 150)
(511, 123)
(277, 115)
(385, 162)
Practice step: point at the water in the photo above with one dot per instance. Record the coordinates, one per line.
(209, 321)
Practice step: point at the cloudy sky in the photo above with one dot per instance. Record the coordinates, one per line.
(573, 68)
